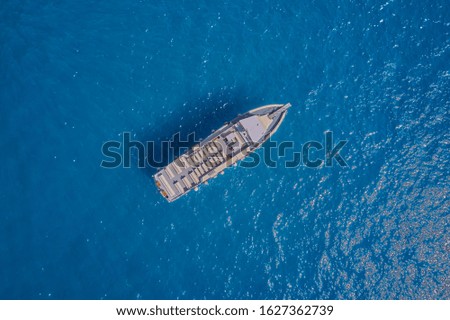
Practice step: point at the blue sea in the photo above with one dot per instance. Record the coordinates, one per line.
(76, 74)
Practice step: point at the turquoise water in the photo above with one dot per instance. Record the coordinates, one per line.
(75, 74)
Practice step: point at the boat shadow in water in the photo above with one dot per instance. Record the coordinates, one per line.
(198, 118)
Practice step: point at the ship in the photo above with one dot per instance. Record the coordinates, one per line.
(223, 148)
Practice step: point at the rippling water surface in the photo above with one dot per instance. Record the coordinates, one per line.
(75, 74)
